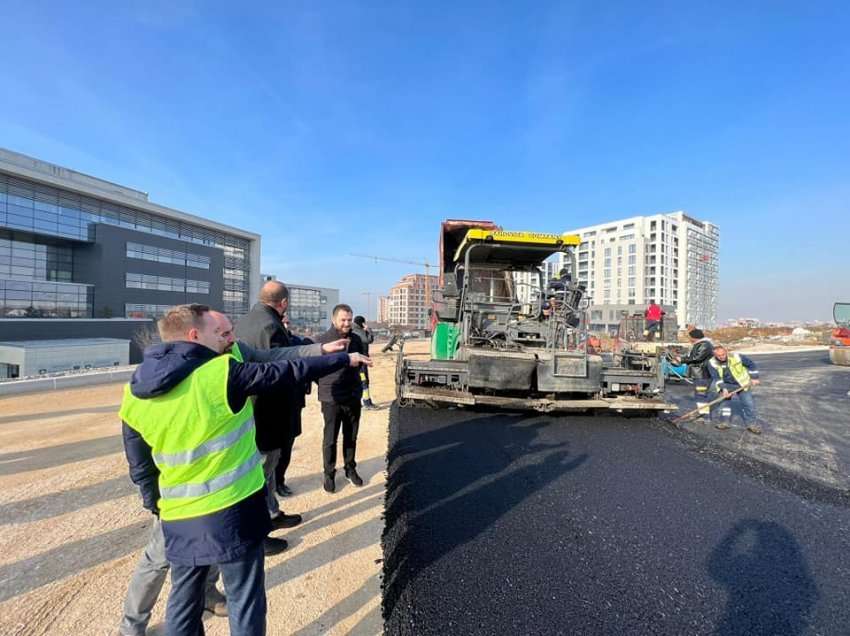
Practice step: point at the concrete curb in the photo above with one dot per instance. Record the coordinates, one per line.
(20, 387)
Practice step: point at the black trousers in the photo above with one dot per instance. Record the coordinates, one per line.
(283, 462)
(347, 417)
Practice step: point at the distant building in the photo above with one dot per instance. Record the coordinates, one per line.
(27, 358)
(309, 306)
(408, 302)
(383, 309)
(671, 258)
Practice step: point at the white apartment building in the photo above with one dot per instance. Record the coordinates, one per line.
(671, 258)
(408, 302)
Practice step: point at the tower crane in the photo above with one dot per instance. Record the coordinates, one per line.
(425, 264)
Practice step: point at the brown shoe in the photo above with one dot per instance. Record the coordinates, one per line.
(755, 429)
(722, 426)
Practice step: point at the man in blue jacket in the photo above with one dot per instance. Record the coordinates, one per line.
(152, 568)
(189, 440)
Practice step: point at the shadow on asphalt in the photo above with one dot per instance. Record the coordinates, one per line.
(765, 573)
(52, 456)
(449, 482)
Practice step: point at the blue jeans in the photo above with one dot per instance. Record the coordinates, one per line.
(746, 402)
(244, 585)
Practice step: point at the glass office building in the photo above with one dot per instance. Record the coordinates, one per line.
(74, 246)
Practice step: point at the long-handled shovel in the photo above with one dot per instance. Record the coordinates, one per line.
(690, 415)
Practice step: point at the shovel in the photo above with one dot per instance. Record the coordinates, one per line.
(690, 415)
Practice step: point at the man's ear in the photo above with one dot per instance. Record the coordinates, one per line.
(192, 334)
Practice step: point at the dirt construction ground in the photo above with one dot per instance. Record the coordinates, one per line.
(73, 527)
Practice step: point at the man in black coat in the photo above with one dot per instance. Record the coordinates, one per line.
(340, 395)
(365, 334)
(701, 351)
(277, 415)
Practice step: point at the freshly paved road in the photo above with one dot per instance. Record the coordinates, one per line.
(527, 524)
(804, 406)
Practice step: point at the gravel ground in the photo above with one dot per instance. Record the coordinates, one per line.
(73, 527)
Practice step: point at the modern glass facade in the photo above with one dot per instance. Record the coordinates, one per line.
(32, 299)
(24, 260)
(31, 207)
(162, 255)
(140, 310)
(166, 283)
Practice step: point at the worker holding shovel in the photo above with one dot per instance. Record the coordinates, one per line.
(731, 374)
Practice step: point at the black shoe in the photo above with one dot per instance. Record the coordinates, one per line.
(283, 490)
(330, 484)
(352, 476)
(285, 521)
(273, 546)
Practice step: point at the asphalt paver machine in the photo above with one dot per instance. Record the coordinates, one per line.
(494, 345)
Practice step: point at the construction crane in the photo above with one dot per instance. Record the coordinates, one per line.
(424, 264)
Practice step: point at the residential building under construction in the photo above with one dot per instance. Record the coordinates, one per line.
(408, 301)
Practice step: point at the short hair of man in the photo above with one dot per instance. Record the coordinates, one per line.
(696, 334)
(273, 293)
(180, 319)
(342, 307)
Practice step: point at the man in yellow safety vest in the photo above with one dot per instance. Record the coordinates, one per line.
(189, 438)
(729, 372)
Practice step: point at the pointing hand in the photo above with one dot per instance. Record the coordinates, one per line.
(335, 346)
(357, 359)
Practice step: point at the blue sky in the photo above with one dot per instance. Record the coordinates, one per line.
(343, 127)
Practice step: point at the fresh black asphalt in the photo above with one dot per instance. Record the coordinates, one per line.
(505, 523)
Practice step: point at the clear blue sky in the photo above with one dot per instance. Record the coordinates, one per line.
(337, 127)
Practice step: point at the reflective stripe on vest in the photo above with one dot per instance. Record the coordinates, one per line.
(736, 367)
(217, 444)
(213, 485)
(206, 454)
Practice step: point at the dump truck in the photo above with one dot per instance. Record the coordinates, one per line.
(839, 344)
(494, 346)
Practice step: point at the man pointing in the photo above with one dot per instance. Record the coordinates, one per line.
(189, 438)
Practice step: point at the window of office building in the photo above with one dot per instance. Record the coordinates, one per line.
(166, 283)
(23, 260)
(162, 255)
(137, 310)
(35, 299)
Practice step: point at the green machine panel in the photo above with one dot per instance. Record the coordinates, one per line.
(444, 341)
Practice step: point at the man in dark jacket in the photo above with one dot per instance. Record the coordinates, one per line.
(277, 415)
(363, 332)
(152, 567)
(340, 393)
(230, 537)
(701, 351)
